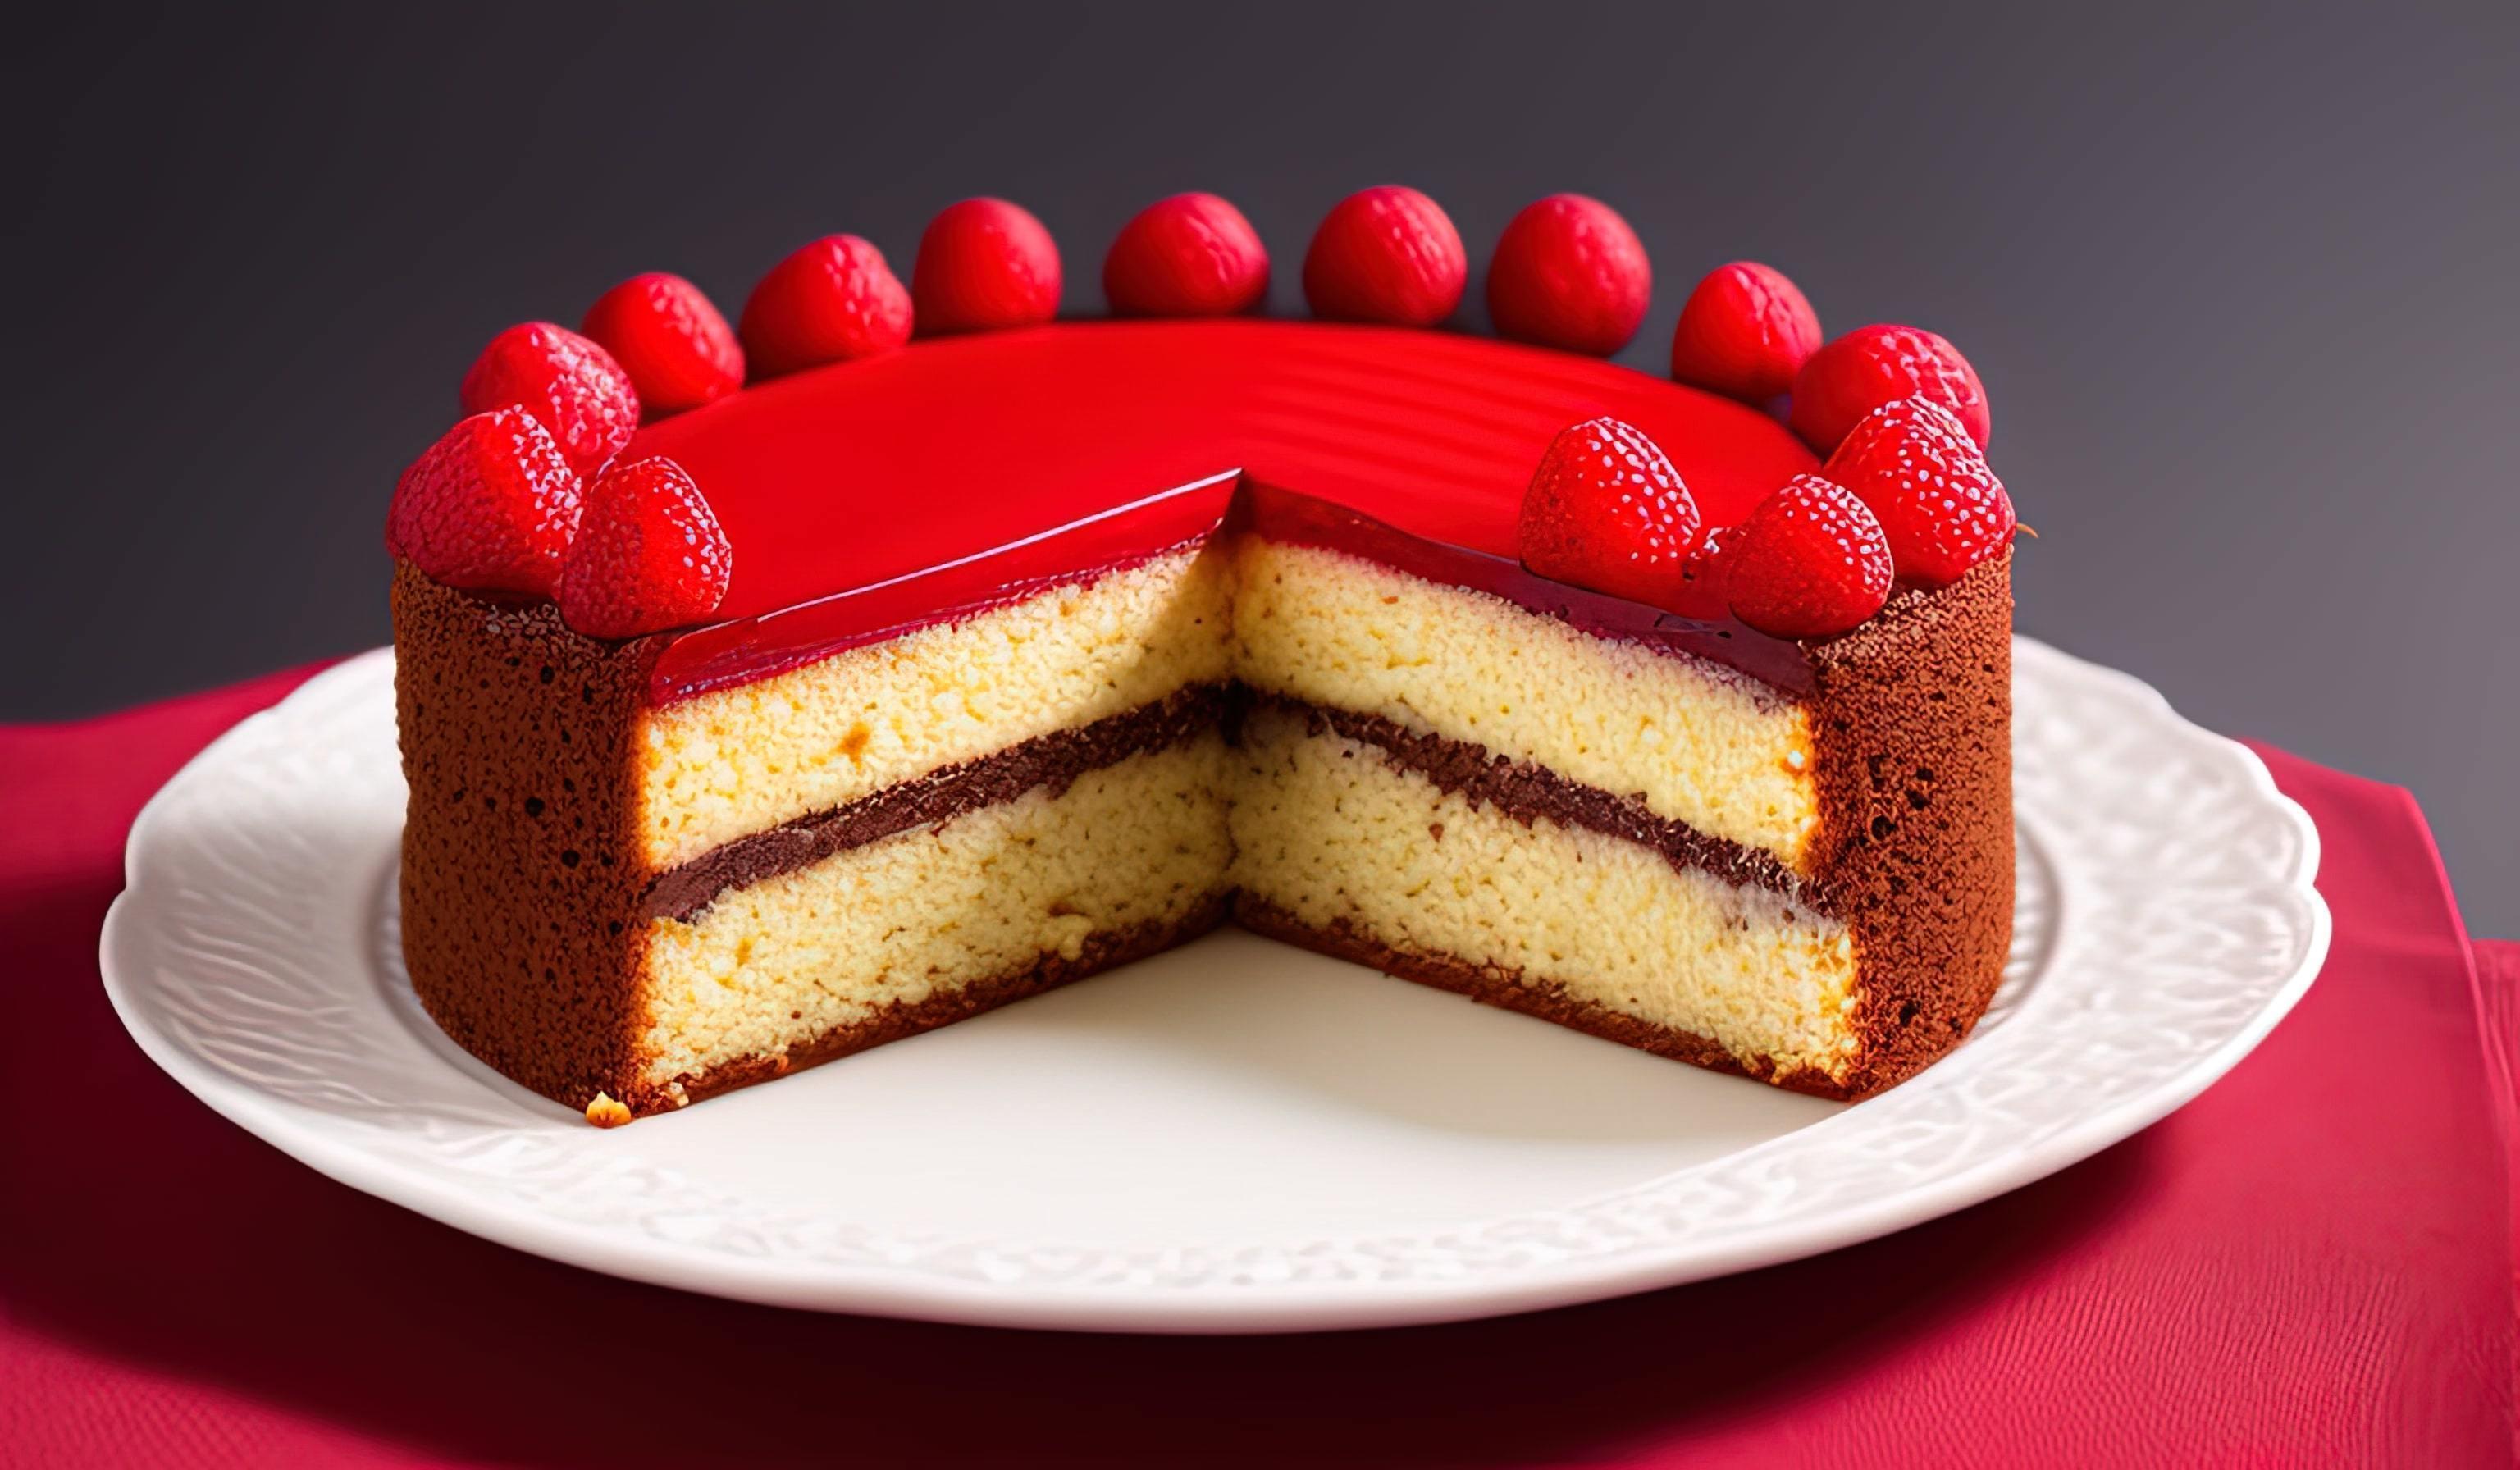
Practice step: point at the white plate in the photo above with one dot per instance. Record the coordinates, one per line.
(1236, 1136)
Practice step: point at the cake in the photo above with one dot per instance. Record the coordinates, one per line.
(873, 675)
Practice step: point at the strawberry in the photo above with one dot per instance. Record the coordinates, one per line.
(1569, 273)
(678, 352)
(1871, 366)
(1808, 562)
(649, 555)
(1386, 254)
(1607, 511)
(572, 385)
(491, 506)
(984, 265)
(1702, 593)
(1744, 332)
(1941, 507)
(833, 301)
(1189, 256)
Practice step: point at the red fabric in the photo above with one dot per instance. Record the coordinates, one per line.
(2311, 1264)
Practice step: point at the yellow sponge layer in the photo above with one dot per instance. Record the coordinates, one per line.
(985, 896)
(733, 762)
(1329, 829)
(1699, 743)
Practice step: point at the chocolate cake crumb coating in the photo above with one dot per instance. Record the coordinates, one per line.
(1911, 726)
(522, 897)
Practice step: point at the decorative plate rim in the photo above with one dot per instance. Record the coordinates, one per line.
(2215, 914)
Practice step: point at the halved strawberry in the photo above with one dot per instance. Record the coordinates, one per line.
(1606, 510)
(1941, 507)
(491, 506)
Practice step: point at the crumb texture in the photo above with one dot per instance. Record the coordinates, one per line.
(1135, 846)
(723, 765)
(1330, 833)
(1696, 743)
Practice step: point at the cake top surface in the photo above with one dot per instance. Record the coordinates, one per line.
(866, 471)
(755, 492)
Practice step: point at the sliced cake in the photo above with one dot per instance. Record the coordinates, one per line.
(907, 682)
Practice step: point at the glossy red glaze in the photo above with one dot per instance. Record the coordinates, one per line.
(867, 497)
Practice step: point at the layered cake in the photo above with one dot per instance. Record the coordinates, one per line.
(769, 694)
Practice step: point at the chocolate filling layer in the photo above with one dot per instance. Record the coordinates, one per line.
(1053, 760)
(1522, 791)
(1529, 792)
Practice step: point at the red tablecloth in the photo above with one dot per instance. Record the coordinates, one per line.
(2311, 1264)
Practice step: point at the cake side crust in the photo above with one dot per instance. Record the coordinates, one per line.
(1913, 728)
(522, 916)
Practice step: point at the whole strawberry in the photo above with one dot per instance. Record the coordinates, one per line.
(1189, 256)
(1744, 332)
(832, 301)
(1607, 511)
(1386, 254)
(570, 384)
(678, 352)
(984, 265)
(1808, 562)
(1939, 504)
(491, 506)
(649, 553)
(1569, 273)
(1871, 366)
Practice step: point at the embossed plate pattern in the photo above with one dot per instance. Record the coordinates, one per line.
(1237, 1136)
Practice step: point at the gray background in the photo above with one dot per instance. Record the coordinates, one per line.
(2240, 286)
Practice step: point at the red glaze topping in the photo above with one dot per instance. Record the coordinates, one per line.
(1189, 256)
(570, 384)
(1871, 366)
(1809, 562)
(1607, 511)
(649, 555)
(1702, 582)
(1745, 331)
(984, 265)
(833, 301)
(898, 490)
(678, 352)
(1386, 254)
(1569, 273)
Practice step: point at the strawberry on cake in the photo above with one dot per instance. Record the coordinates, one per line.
(770, 692)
